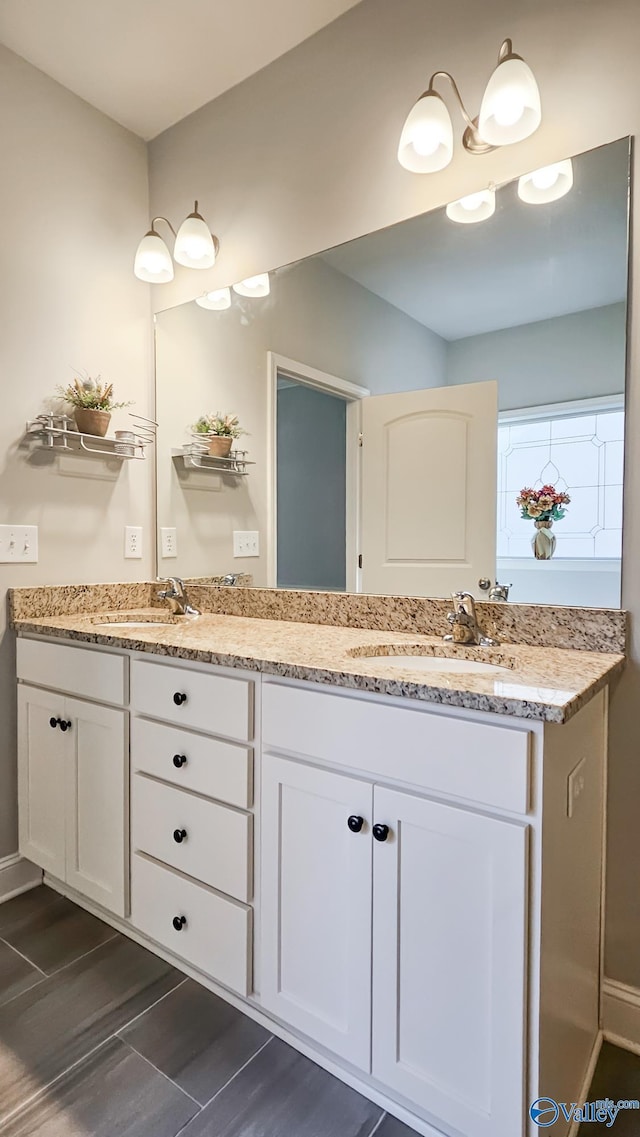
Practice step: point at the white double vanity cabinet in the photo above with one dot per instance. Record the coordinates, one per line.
(408, 893)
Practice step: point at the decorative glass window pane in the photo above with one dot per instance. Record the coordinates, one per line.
(580, 453)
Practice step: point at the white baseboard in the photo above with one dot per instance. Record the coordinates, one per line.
(621, 1014)
(16, 876)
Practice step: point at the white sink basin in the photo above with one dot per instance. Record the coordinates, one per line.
(134, 623)
(440, 663)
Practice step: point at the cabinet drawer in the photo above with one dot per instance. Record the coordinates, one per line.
(214, 703)
(88, 674)
(216, 934)
(478, 761)
(221, 770)
(218, 842)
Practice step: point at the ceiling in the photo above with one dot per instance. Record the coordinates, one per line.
(148, 63)
(526, 263)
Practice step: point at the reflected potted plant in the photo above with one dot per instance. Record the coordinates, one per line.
(543, 507)
(92, 402)
(219, 431)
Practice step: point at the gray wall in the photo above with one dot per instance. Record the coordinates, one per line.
(302, 156)
(311, 488)
(74, 202)
(571, 357)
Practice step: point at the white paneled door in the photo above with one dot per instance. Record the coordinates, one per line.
(449, 944)
(316, 904)
(41, 778)
(429, 462)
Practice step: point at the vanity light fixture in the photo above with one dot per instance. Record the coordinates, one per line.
(254, 285)
(547, 184)
(215, 301)
(475, 207)
(195, 247)
(510, 111)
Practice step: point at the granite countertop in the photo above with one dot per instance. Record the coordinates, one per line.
(548, 684)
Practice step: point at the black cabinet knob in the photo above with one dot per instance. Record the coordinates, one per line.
(179, 922)
(64, 725)
(53, 723)
(179, 760)
(355, 823)
(380, 832)
(179, 698)
(179, 835)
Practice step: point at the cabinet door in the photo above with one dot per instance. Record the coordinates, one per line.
(97, 803)
(316, 905)
(449, 900)
(41, 763)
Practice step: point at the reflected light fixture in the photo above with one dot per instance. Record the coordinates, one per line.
(253, 285)
(195, 247)
(510, 111)
(547, 184)
(215, 301)
(475, 207)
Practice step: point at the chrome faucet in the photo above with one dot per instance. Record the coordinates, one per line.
(230, 579)
(497, 592)
(464, 623)
(176, 594)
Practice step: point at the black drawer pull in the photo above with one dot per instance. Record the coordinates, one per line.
(179, 922)
(64, 725)
(179, 835)
(380, 832)
(179, 698)
(53, 722)
(179, 760)
(355, 822)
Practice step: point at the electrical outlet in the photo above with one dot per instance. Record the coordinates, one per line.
(18, 544)
(133, 542)
(168, 542)
(246, 544)
(575, 786)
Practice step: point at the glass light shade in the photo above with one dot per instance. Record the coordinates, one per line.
(254, 285)
(510, 108)
(475, 207)
(426, 142)
(153, 260)
(546, 184)
(194, 247)
(215, 301)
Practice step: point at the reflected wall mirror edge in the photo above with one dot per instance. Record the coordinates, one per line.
(430, 339)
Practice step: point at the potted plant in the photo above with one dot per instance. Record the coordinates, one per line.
(92, 402)
(543, 507)
(220, 431)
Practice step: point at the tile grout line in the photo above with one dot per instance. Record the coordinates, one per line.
(125, 1026)
(103, 943)
(378, 1123)
(162, 1074)
(238, 1071)
(23, 956)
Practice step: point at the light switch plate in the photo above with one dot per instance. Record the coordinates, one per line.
(133, 542)
(18, 544)
(246, 543)
(168, 542)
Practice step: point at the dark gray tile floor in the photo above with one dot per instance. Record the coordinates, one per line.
(617, 1077)
(99, 1037)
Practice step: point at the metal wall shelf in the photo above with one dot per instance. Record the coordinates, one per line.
(195, 456)
(57, 434)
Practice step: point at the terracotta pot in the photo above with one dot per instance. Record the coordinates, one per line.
(543, 541)
(220, 445)
(92, 422)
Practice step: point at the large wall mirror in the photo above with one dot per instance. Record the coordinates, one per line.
(400, 392)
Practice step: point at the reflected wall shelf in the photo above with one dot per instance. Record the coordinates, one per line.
(194, 457)
(57, 434)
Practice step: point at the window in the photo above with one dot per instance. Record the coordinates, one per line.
(578, 447)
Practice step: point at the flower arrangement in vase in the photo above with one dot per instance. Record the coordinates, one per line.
(220, 431)
(92, 402)
(543, 507)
